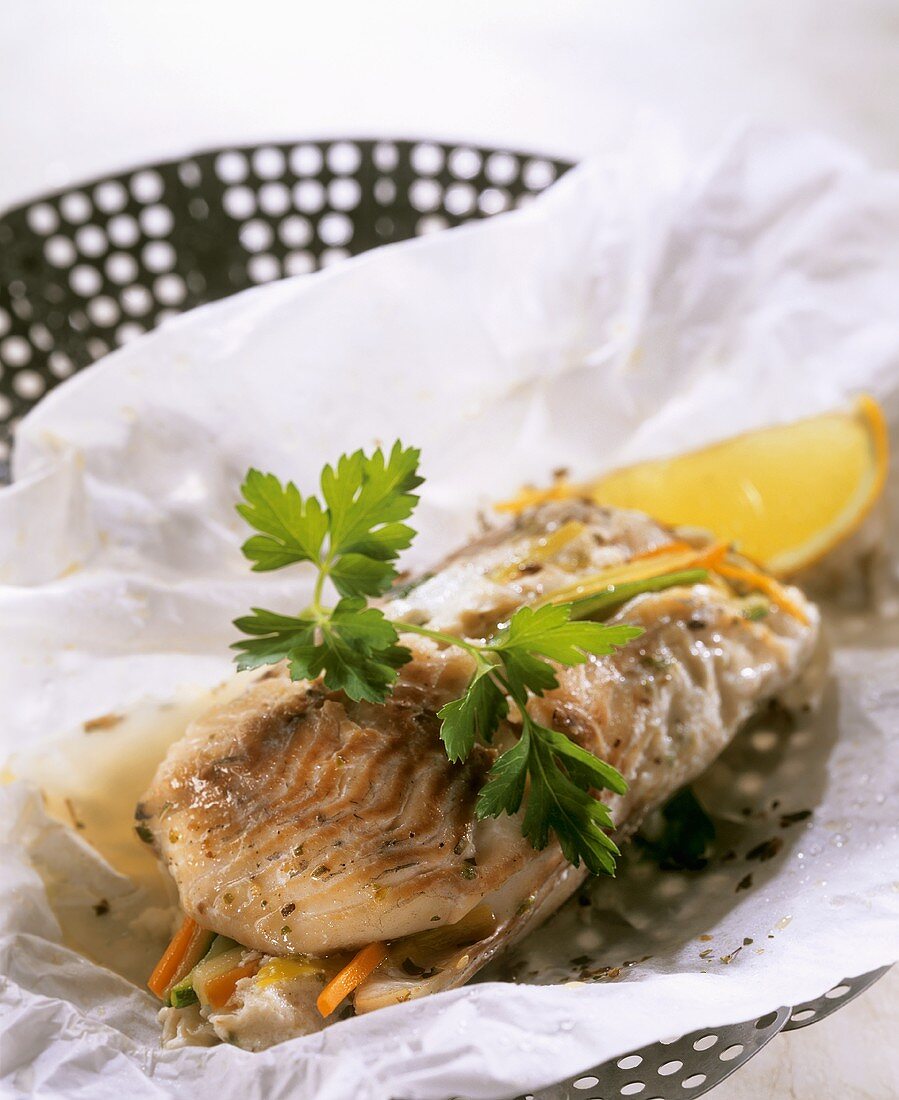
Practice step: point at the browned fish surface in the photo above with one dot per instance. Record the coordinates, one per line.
(300, 822)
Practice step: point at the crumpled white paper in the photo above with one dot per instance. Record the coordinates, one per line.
(643, 306)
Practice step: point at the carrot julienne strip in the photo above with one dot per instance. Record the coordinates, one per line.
(352, 976)
(525, 498)
(666, 548)
(710, 557)
(772, 588)
(220, 990)
(167, 966)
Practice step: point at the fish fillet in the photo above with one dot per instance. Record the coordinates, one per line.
(302, 823)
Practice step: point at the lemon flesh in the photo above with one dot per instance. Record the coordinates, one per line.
(783, 495)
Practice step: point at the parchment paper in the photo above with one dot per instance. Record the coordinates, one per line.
(643, 306)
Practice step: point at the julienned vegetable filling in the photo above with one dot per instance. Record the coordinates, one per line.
(211, 982)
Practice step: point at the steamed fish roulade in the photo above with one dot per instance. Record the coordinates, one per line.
(305, 826)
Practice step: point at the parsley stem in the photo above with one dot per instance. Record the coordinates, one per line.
(324, 571)
(447, 639)
(317, 591)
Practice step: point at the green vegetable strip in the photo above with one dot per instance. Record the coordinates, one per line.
(611, 598)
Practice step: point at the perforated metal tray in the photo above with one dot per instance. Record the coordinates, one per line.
(85, 270)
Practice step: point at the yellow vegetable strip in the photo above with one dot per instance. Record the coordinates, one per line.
(541, 550)
(285, 970)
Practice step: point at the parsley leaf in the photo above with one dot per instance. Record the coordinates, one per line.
(549, 632)
(358, 653)
(534, 637)
(475, 715)
(559, 797)
(358, 575)
(574, 815)
(356, 650)
(504, 789)
(366, 499)
(292, 529)
(275, 638)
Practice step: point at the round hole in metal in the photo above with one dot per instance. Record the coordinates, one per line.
(15, 351)
(305, 160)
(731, 1052)
(385, 156)
(299, 263)
(460, 199)
(28, 384)
(110, 196)
(75, 207)
(464, 163)
(274, 199)
(123, 230)
(239, 202)
(103, 311)
(837, 992)
(344, 158)
(295, 231)
(147, 186)
(805, 1014)
(427, 159)
(344, 193)
(268, 163)
(256, 235)
(309, 196)
(130, 330)
(42, 218)
(60, 251)
(91, 241)
(430, 223)
(231, 167)
(629, 1061)
(263, 268)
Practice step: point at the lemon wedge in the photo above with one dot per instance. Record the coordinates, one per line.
(784, 496)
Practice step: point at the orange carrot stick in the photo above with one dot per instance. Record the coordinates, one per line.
(657, 551)
(220, 990)
(710, 556)
(165, 969)
(352, 975)
(772, 588)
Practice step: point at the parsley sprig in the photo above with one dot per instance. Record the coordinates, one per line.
(353, 540)
(353, 534)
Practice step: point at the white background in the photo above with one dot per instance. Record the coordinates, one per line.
(102, 84)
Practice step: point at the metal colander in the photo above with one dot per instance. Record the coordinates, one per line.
(87, 269)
